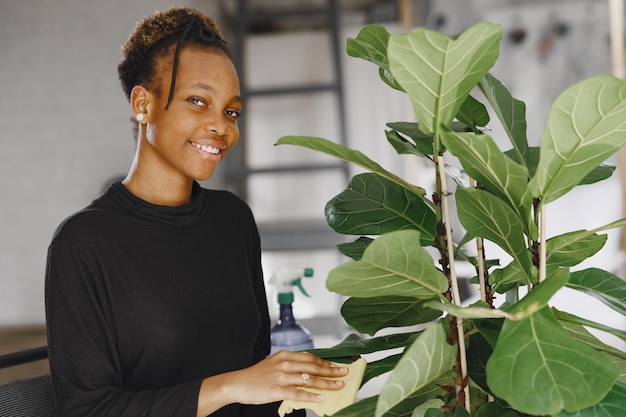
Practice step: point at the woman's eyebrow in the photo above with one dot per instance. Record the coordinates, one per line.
(211, 89)
(203, 86)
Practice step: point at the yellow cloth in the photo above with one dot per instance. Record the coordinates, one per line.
(334, 400)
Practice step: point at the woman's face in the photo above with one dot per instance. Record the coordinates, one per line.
(200, 125)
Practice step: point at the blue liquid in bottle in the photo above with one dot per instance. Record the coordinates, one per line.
(287, 334)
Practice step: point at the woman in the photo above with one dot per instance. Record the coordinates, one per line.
(154, 293)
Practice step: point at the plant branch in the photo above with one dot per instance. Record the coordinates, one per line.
(542, 244)
(480, 258)
(455, 286)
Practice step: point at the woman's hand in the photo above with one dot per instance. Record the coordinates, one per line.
(275, 378)
(279, 376)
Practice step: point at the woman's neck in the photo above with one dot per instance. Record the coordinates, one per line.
(158, 191)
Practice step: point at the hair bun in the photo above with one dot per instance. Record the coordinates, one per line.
(150, 32)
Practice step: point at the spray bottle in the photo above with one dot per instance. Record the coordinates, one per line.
(287, 334)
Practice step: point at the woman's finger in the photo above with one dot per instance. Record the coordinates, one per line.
(313, 381)
(303, 369)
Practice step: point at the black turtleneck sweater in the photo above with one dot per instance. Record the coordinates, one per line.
(144, 301)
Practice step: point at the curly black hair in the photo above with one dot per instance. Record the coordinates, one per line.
(155, 37)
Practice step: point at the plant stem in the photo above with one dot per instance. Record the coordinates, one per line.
(481, 259)
(542, 244)
(481, 269)
(455, 286)
(440, 239)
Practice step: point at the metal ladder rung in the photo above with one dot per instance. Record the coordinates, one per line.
(309, 88)
(261, 16)
(238, 172)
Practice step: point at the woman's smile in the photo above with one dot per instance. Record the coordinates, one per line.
(207, 151)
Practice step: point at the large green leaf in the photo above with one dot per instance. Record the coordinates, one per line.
(512, 115)
(369, 315)
(406, 407)
(429, 357)
(586, 124)
(438, 72)
(355, 249)
(601, 172)
(458, 411)
(531, 158)
(420, 143)
(354, 345)
(511, 276)
(380, 367)
(580, 333)
(435, 408)
(422, 147)
(572, 248)
(349, 155)
(367, 406)
(484, 215)
(482, 159)
(371, 45)
(393, 264)
(613, 405)
(538, 368)
(563, 316)
(373, 205)
(423, 410)
(478, 310)
(489, 329)
(602, 285)
(538, 298)
(473, 113)
(362, 408)
(496, 410)
(478, 352)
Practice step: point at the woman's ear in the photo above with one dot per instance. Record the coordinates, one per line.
(139, 99)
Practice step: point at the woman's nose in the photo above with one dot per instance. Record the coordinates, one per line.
(217, 123)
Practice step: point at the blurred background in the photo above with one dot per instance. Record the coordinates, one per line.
(65, 132)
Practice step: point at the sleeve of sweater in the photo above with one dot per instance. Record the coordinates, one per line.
(84, 366)
(263, 343)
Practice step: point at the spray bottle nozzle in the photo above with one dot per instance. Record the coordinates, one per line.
(287, 278)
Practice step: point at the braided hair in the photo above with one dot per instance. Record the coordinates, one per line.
(156, 36)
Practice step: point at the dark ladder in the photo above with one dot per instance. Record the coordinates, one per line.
(280, 235)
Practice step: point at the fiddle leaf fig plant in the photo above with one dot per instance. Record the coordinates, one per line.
(440, 357)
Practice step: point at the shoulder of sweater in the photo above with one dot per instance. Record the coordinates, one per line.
(89, 217)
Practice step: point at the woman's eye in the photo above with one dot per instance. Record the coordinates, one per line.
(196, 101)
(233, 113)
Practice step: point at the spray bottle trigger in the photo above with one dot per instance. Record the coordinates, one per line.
(298, 283)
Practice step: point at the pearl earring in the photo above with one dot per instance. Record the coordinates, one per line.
(139, 117)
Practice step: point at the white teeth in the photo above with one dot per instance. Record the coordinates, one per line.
(206, 148)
